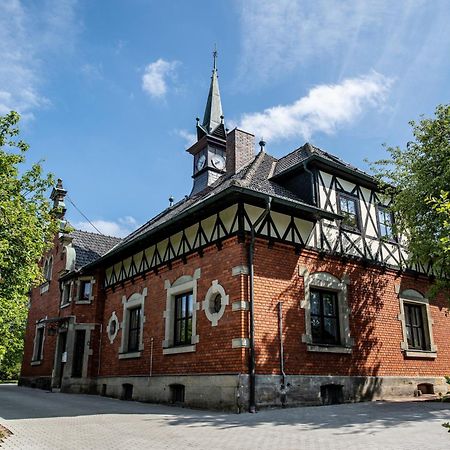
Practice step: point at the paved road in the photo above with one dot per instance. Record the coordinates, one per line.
(44, 420)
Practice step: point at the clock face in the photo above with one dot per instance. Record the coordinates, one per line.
(218, 162)
(201, 162)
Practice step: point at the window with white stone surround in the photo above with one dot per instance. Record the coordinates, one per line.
(132, 325)
(327, 326)
(417, 324)
(186, 284)
(38, 346)
(215, 302)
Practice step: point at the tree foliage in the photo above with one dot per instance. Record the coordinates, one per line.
(27, 227)
(418, 179)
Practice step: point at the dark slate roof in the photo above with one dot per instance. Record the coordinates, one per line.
(304, 152)
(91, 246)
(255, 177)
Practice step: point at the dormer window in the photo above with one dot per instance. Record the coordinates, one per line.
(385, 222)
(348, 207)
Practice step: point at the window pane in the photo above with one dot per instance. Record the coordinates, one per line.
(331, 330)
(315, 303)
(329, 305)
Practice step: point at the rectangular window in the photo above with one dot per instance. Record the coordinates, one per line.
(65, 296)
(183, 319)
(85, 290)
(385, 222)
(348, 207)
(39, 350)
(415, 329)
(134, 329)
(324, 317)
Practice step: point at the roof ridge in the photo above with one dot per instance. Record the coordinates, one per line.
(96, 234)
(251, 169)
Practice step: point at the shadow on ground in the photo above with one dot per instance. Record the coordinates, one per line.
(17, 403)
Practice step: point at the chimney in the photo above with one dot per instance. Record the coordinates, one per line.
(240, 150)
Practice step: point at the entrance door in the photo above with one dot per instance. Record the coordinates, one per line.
(78, 353)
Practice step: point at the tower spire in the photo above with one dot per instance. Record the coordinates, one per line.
(213, 111)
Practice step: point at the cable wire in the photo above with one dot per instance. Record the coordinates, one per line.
(81, 212)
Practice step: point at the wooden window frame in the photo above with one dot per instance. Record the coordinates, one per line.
(417, 330)
(183, 316)
(355, 199)
(385, 210)
(134, 328)
(322, 316)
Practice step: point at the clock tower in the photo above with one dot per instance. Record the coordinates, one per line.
(209, 151)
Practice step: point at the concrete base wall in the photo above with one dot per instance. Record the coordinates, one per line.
(221, 392)
(306, 389)
(231, 392)
(36, 382)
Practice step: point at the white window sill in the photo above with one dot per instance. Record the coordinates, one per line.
(420, 354)
(129, 355)
(329, 348)
(83, 302)
(44, 287)
(65, 305)
(36, 363)
(181, 349)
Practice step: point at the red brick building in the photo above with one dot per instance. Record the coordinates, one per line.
(276, 281)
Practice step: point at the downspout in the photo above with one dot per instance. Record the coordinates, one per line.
(314, 194)
(283, 373)
(252, 362)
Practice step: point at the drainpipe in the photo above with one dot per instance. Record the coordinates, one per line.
(314, 194)
(283, 373)
(252, 363)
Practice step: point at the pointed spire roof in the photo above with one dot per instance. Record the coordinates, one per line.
(213, 112)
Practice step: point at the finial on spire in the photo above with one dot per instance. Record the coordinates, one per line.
(262, 144)
(215, 57)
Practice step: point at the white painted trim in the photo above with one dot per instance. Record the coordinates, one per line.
(240, 305)
(39, 325)
(183, 284)
(324, 280)
(112, 336)
(130, 355)
(412, 296)
(239, 270)
(328, 348)
(240, 343)
(135, 300)
(180, 349)
(215, 289)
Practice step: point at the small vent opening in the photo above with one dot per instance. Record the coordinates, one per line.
(177, 393)
(127, 391)
(425, 388)
(332, 394)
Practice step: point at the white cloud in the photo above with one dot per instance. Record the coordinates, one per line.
(157, 76)
(28, 33)
(120, 228)
(189, 138)
(324, 109)
(279, 36)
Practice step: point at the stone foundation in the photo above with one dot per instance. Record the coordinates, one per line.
(231, 393)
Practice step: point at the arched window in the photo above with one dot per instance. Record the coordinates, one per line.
(326, 308)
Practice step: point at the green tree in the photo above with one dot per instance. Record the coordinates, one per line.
(418, 179)
(27, 227)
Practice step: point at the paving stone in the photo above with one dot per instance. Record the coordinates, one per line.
(44, 420)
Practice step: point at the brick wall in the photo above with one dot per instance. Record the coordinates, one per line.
(374, 323)
(214, 352)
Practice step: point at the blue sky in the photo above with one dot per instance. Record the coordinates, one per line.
(109, 89)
